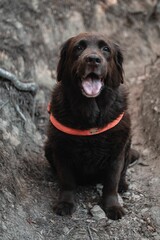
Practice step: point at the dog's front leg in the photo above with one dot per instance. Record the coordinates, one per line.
(66, 201)
(111, 204)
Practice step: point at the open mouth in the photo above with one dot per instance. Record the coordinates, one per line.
(92, 85)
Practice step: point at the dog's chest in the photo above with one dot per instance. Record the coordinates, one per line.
(90, 155)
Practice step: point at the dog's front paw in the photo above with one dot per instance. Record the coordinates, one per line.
(115, 212)
(64, 208)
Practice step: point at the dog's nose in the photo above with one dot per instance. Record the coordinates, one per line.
(93, 59)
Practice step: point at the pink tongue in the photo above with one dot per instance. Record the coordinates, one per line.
(91, 86)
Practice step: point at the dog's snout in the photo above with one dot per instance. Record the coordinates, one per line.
(93, 59)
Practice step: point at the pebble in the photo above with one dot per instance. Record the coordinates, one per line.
(133, 186)
(98, 213)
(90, 205)
(52, 221)
(99, 189)
(136, 197)
(144, 210)
(4, 226)
(157, 237)
(155, 214)
(66, 230)
(120, 200)
(154, 181)
(126, 194)
(146, 152)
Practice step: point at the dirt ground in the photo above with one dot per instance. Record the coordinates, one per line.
(31, 33)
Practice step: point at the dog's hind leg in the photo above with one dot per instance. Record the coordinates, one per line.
(131, 156)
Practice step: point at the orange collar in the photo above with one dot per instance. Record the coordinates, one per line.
(78, 132)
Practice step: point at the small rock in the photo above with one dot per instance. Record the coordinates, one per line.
(131, 170)
(156, 109)
(66, 230)
(62, 237)
(136, 197)
(110, 221)
(99, 189)
(150, 228)
(155, 214)
(85, 211)
(154, 181)
(84, 206)
(132, 80)
(98, 213)
(146, 152)
(89, 221)
(157, 237)
(35, 5)
(144, 211)
(4, 216)
(133, 186)
(52, 221)
(126, 195)
(90, 205)
(54, 74)
(120, 200)
(4, 226)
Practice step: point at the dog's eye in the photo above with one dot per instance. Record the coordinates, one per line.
(106, 49)
(80, 48)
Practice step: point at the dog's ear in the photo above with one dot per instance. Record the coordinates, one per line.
(115, 76)
(62, 60)
(119, 61)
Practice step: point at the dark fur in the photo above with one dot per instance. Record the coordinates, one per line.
(99, 158)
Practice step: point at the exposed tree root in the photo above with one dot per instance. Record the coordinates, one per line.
(30, 87)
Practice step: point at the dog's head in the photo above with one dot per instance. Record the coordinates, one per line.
(89, 62)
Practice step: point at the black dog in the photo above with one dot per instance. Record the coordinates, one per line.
(89, 131)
